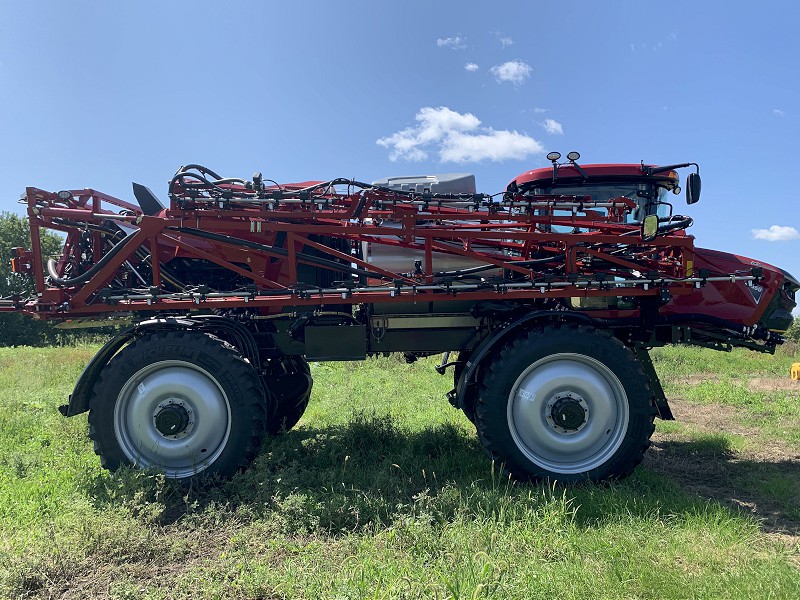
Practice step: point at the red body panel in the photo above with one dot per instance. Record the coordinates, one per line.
(568, 171)
(730, 300)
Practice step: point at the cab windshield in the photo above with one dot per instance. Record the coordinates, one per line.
(601, 192)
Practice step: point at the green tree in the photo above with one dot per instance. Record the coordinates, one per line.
(17, 329)
(793, 334)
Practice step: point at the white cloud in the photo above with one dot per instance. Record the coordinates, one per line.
(434, 125)
(505, 40)
(493, 145)
(471, 67)
(458, 138)
(776, 233)
(539, 110)
(514, 71)
(454, 43)
(778, 112)
(552, 126)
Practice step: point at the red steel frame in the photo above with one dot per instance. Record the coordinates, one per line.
(517, 229)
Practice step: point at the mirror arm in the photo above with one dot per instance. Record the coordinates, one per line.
(655, 170)
(583, 174)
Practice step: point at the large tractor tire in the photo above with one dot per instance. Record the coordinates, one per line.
(183, 403)
(565, 403)
(291, 391)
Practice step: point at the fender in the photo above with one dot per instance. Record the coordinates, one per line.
(78, 401)
(79, 398)
(458, 396)
(498, 336)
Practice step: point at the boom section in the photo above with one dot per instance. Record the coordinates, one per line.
(270, 248)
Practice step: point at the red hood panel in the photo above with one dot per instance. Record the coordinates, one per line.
(735, 301)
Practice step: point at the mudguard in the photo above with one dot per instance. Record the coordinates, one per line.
(510, 327)
(458, 396)
(79, 398)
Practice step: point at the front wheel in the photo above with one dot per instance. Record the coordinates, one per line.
(567, 403)
(183, 403)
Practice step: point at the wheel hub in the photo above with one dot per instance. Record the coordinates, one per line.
(173, 419)
(544, 413)
(567, 413)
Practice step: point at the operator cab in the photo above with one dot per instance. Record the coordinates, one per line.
(648, 186)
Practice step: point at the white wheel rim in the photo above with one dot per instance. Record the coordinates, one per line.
(183, 389)
(569, 383)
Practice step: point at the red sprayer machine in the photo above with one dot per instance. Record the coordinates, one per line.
(543, 299)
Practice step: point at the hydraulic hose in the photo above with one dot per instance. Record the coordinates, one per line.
(89, 273)
(117, 234)
(675, 223)
(202, 173)
(473, 270)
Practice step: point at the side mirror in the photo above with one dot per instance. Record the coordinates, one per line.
(649, 228)
(692, 188)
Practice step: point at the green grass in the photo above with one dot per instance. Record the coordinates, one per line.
(382, 491)
(709, 377)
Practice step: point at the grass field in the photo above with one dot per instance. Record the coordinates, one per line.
(383, 491)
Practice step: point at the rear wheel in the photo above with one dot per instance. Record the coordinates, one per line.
(566, 403)
(179, 402)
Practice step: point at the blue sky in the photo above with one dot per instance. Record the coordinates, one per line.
(97, 94)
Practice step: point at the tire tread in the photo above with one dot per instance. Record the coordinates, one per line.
(620, 466)
(253, 412)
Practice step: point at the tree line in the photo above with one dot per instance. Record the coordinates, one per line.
(17, 329)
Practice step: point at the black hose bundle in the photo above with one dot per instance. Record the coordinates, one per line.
(89, 273)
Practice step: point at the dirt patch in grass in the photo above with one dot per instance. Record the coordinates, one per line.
(182, 574)
(771, 384)
(761, 478)
(695, 379)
